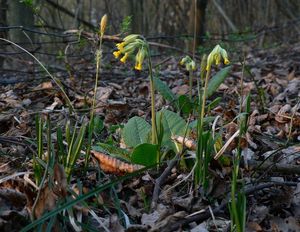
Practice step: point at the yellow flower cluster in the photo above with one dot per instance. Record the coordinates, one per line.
(190, 65)
(128, 46)
(215, 56)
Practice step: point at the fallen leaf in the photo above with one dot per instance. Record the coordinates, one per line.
(112, 165)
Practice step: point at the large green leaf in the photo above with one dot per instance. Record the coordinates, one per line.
(173, 124)
(217, 80)
(136, 131)
(164, 90)
(144, 154)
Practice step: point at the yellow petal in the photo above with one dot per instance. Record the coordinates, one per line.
(226, 61)
(138, 66)
(124, 58)
(120, 46)
(117, 54)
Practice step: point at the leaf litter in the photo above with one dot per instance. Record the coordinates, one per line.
(275, 119)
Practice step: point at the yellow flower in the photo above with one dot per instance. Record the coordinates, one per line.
(215, 57)
(225, 56)
(124, 58)
(120, 46)
(130, 44)
(183, 60)
(193, 65)
(138, 66)
(117, 54)
(189, 63)
(139, 58)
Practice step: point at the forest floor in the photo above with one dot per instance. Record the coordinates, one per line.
(270, 168)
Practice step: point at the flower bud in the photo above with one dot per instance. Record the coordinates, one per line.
(130, 38)
(103, 24)
(215, 57)
(139, 58)
(190, 65)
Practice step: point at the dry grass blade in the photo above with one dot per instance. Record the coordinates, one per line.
(217, 156)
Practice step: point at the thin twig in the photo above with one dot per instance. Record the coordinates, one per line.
(161, 180)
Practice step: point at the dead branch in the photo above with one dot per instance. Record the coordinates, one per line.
(275, 167)
(162, 179)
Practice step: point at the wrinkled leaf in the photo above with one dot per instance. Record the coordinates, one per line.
(173, 124)
(136, 131)
(144, 154)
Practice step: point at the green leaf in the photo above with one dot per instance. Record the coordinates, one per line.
(217, 80)
(98, 124)
(164, 90)
(185, 104)
(213, 104)
(145, 154)
(60, 149)
(136, 131)
(173, 124)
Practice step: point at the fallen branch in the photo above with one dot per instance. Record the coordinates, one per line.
(275, 167)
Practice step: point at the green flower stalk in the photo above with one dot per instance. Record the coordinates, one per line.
(190, 66)
(102, 27)
(126, 48)
(214, 57)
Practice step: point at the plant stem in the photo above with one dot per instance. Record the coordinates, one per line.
(233, 194)
(191, 83)
(91, 124)
(204, 96)
(200, 159)
(152, 91)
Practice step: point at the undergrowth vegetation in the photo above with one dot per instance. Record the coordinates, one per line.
(185, 130)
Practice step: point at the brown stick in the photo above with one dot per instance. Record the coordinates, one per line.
(275, 167)
(161, 180)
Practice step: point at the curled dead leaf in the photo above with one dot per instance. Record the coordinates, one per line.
(112, 165)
